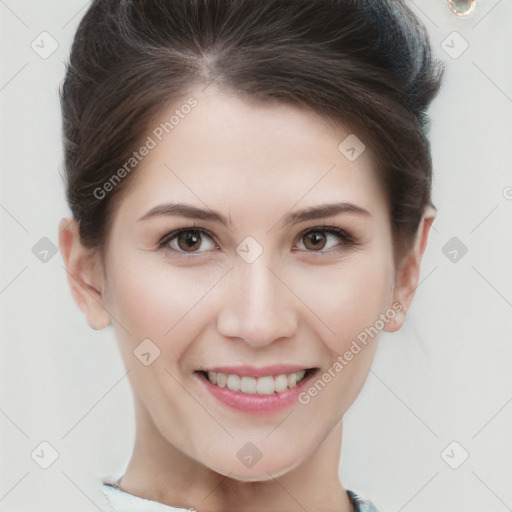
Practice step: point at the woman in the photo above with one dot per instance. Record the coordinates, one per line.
(250, 188)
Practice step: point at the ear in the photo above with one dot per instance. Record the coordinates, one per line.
(408, 273)
(84, 269)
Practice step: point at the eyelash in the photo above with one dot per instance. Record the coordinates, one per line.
(346, 240)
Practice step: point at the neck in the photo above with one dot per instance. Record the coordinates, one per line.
(160, 472)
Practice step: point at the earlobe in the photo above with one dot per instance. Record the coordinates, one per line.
(408, 273)
(396, 323)
(85, 275)
(405, 286)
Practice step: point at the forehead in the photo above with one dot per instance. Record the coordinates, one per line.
(248, 159)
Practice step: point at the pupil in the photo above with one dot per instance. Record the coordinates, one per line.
(190, 238)
(315, 238)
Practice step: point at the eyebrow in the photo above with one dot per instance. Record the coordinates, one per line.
(311, 213)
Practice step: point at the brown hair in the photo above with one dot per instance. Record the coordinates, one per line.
(365, 64)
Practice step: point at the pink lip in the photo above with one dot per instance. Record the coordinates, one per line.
(254, 403)
(250, 371)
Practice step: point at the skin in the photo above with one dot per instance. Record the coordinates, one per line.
(297, 303)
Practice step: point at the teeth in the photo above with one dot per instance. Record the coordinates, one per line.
(281, 383)
(266, 385)
(248, 385)
(233, 382)
(221, 380)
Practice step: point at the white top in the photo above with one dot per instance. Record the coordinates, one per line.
(122, 501)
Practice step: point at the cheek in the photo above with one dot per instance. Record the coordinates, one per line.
(152, 298)
(350, 303)
(348, 297)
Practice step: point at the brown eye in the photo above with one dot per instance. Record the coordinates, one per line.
(189, 241)
(327, 239)
(314, 240)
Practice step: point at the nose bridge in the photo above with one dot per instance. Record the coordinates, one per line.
(257, 306)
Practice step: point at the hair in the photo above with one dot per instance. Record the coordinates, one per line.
(366, 65)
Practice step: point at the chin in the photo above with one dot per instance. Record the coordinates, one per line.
(265, 469)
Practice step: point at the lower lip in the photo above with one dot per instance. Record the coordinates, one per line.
(255, 403)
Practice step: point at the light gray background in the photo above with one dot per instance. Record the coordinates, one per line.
(445, 377)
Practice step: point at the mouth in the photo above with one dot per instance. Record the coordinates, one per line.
(253, 390)
(265, 385)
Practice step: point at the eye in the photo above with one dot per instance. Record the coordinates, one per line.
(317, 239)
(185, 241)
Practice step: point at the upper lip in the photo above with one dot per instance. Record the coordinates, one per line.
(251, 371)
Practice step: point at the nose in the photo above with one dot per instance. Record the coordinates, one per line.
(257, 306)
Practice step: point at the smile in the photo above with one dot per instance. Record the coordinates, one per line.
(266, 385)
(252, 390)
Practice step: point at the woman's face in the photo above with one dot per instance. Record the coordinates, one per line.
(258, 287)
